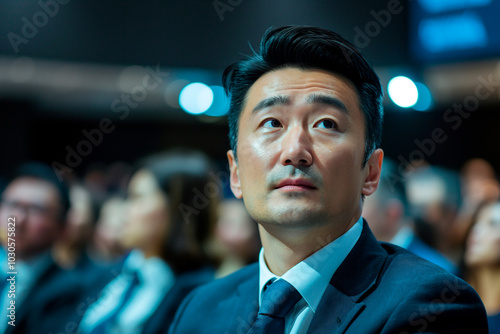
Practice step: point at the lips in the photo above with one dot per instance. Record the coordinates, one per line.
(295, 184)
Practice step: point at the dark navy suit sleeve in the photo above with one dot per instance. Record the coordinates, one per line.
(181, 313)
(441, 303)
(225, 306)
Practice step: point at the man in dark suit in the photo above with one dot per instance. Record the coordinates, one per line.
(305, 125)
(43, 297)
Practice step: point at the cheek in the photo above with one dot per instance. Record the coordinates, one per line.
(484, 245)
(148, 217)
(254, 164)
(343, 170)
(495, 244)
(40, 228)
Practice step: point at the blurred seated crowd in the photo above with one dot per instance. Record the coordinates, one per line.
(117, 249)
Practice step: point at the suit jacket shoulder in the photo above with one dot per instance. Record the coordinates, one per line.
(226, 305)
(51, 304)
(383, 288)
(430, 298)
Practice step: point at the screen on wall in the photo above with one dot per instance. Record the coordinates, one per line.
(453, 30)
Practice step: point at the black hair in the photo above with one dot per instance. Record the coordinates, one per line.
(43, 172)
(184, 175)
(307, 47)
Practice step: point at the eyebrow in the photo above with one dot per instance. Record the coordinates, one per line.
(328, 101)
(271, 101)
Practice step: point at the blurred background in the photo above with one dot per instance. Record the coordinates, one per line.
(96, 90)
(85, 84)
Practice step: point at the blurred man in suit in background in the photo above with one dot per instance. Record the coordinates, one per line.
(46, 296)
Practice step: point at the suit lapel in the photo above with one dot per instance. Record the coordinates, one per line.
(352, 282)
(335, 312)
(247, 302)
(244, 306)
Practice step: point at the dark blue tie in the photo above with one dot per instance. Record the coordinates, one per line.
(105, 326)
(277, 300)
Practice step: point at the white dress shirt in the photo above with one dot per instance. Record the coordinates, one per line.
(156, 279)
(311, 277)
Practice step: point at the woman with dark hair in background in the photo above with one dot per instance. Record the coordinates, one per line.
(170, 216)
(482, 260)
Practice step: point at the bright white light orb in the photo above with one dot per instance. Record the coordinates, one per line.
(220, 106)
(403, 91)
(424, 102)
(196, 98)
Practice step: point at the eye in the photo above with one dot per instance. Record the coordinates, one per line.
(271, 123)
(326, 124)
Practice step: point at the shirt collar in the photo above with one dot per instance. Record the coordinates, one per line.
(152, 269)
(134, 261)
(311, 276)
(149, 269)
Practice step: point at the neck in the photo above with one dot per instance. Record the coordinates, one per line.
(65, 255)
(487, 284)
(150, 253)
(284, 247)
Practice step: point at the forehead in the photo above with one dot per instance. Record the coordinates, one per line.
(143, 182)
(31, 188)
(298, 84)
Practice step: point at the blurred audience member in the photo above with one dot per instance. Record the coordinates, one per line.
(95, 180)
(236, 237)
(106, 242)
(480, 185)
(71, 250)
(117, 177)
(434, 195)
(386, 212)
(170, 216)
(482, 260)
(46, 296)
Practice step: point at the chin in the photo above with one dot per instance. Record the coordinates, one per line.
(297, 217)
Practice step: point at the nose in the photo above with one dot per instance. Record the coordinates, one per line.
(296, 147)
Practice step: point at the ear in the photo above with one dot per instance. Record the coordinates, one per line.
(373, 168)
(234, 177)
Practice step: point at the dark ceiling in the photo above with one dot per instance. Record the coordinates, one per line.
(190, 33)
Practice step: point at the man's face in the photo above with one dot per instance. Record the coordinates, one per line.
(35, 206)
(300, 151)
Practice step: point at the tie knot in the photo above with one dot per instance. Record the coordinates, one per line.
(278, 299)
